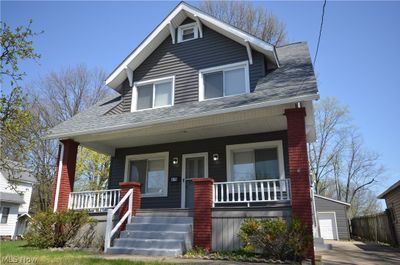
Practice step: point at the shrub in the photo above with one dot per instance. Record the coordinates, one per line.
(274, 238)
(48, 229)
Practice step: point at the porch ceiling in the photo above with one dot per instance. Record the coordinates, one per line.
(236, 123)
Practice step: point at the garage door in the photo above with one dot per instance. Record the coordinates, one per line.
(327, 225)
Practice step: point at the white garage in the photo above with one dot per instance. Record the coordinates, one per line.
(328, 225)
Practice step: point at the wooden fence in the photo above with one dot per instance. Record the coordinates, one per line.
(378, 228)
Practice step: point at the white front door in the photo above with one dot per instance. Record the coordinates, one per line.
(193, 166)
(327, 225)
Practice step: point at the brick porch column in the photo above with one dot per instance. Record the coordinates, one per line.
(299, 170)
(67, 153)
(202, 227)
(125, 187)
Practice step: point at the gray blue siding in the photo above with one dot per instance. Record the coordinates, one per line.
(217, 169)
(184, 60)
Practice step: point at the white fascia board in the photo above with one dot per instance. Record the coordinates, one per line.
(118, 75)
(330, 199)
(186, 117)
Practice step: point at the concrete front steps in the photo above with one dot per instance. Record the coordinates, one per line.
(155, 233)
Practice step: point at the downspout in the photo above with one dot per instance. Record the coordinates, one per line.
(60, 163)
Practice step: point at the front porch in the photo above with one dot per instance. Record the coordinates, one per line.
(253, 164)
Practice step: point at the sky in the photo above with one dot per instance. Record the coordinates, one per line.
(358, 60)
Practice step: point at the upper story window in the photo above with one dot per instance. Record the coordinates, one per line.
(187, 32)
(226, 80)
(154, 93)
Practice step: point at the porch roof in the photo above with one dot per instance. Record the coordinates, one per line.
(293, 82)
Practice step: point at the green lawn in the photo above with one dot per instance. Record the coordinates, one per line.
(17, 252)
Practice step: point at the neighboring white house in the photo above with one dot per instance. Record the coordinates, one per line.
(15, 201)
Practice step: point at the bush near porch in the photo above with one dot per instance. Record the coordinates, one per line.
(57, 229)
(275, 238)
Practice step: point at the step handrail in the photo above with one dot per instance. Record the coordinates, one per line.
(110, 231)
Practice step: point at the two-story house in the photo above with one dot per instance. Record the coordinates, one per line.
(210, 126)
(15, 197)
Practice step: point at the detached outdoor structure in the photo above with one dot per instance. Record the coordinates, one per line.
(211, 127)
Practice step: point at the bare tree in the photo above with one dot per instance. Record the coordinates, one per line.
(244, 15)
(331, 126)
(55, 98)
(340, 164)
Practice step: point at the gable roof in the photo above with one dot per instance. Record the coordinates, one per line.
(292, 82)
(390, 189)
(332, 200)
(174, 19)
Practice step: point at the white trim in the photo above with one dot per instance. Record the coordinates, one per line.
(150, 156)
(223, 68)
(186, 117)
(59, 173)
(172, 32)
(249, 53)
(154, 82)
(199, 25)
(251, 146)
(330, 199)
(183, 185)
(181, 28)
(129, 73)
(262, 46)
(335, 220)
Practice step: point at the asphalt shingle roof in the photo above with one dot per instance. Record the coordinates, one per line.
(11, 198)
(294, 78)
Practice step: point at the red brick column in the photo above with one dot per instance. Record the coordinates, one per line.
(67, 174)
(299, 170)
(202, 227)
(125, 187)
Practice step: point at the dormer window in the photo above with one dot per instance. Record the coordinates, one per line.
(188, 32)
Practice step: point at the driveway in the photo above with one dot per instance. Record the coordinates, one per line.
(356, 252)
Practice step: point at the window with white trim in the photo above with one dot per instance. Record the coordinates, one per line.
(222, 81)
(5, 211)
(187, 32)
(151, 170)
(255, 161)
(153, 94)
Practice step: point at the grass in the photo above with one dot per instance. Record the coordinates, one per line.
(12, 252)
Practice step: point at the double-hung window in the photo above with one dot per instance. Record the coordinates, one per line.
(153, 94)
(226, 80)
(255, 161)
(151, 170)
(4, 214)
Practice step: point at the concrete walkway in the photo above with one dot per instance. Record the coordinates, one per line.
(356, 252)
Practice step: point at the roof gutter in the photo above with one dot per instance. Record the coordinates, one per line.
(185, 117)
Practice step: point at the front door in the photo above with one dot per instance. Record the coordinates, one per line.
(193, 166)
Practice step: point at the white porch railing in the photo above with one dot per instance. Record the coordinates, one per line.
(253, 191)
(110, 231)
(94, 201)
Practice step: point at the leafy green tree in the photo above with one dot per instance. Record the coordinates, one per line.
(15, 117)
(92, 170)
